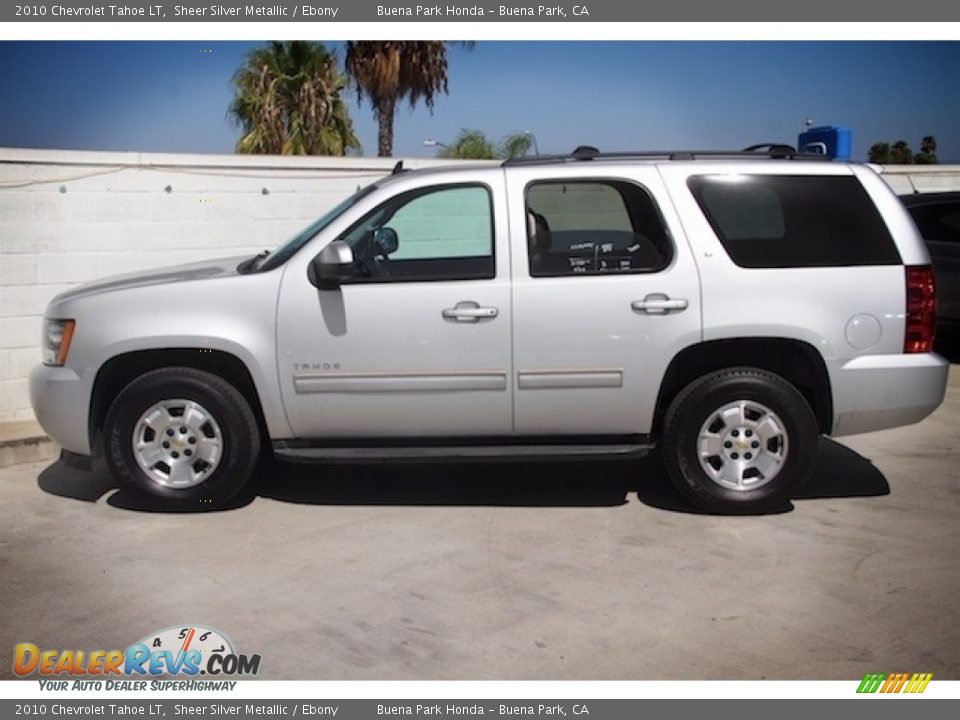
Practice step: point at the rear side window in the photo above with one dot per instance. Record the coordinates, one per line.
(771, 221)
(594, 227)
(938, 223)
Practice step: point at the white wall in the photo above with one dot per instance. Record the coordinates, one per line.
(907, 179)
(68, 217)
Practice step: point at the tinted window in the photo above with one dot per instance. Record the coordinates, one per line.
(939, 223)
(794, 221)
(437, 233)
(594, 227)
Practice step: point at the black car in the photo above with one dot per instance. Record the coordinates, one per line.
(937, 214)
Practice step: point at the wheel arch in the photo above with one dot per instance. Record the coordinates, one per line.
(117, 372)
(797, 362)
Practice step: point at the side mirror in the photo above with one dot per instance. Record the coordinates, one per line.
(333, 265)
(386, 241)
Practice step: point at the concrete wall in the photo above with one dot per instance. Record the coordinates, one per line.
(68, 217)
(908, 179)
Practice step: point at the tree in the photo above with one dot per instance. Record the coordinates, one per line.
(879, 153)
(928, 151)
(475, 145)
(387, 72)
(900, 153)
(287, 101)
(515, 145)
(469, 145)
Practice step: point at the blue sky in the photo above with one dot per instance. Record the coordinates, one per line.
(172, 96)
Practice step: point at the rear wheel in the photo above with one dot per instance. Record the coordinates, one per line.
(182, 436)
(739, 440)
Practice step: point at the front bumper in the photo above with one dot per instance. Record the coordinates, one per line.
(876, 392)
(61, 402)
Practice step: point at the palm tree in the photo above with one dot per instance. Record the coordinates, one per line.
(516, 145)
(475, 145)
(287, 101)
(879, 153)
(900, 153)
(928, 151)
(387, 72)
(470, 145)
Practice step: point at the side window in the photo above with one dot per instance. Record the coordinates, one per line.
(594, 227)
(938, 223)
(435, 233)
(773, 221)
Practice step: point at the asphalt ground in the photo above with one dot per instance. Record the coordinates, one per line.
(553, 570)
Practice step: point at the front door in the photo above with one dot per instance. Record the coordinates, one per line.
(418, 343)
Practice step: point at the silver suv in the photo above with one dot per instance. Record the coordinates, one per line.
(728, 307)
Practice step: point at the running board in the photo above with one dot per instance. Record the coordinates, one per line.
(294, 451)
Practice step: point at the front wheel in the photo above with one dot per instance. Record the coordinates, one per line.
(739, 440)
(183, 437)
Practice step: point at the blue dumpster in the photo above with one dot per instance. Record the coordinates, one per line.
(832, 140)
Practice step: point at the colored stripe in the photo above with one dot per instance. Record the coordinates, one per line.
(918, 683)
(894, 683)
(870, 682)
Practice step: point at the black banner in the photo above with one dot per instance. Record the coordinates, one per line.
(325, 11)
(874, 709)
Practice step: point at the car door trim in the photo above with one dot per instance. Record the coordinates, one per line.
(442, 381)
(569, 379)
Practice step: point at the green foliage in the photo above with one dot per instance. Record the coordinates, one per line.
(287, 102)
(928, 151)
(470, 145)
(475, 145)
(515, 145)
(900, 153)
(391, 71)
(879, 153)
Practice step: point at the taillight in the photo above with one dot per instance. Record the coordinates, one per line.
(921, 309)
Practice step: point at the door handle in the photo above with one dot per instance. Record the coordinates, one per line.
(469, 311)
(659, 304)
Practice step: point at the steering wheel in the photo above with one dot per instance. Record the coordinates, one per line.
(367, 261)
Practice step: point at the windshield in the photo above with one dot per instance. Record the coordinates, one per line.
(289, 248)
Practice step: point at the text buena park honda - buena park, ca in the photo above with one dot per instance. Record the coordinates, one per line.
(503, 710)
(478, 11)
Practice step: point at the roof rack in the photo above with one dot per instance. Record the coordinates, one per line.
(766, 151)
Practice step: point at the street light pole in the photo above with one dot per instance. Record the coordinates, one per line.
(536, 147)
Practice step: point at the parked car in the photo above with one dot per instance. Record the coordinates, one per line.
(937, 214)
(727, 307)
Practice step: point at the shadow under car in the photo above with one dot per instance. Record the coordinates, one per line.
(840, 473)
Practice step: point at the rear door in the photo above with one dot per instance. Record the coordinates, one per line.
(605, 293)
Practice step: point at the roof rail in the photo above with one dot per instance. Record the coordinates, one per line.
(771, 151)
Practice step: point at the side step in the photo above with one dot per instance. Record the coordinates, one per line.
(298, 451)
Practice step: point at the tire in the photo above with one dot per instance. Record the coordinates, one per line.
(211, 434)
(739, 440)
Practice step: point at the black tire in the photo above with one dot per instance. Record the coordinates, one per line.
(790, 454)
(235, 427)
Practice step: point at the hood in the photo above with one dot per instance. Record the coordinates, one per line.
(202, 270)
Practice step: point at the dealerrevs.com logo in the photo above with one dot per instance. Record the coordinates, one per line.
(176, 651)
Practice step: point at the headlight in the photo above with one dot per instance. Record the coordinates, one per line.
(57, 335)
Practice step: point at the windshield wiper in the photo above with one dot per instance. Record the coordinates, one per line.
(251, 264)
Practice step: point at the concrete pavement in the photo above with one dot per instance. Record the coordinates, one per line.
(520, 571)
